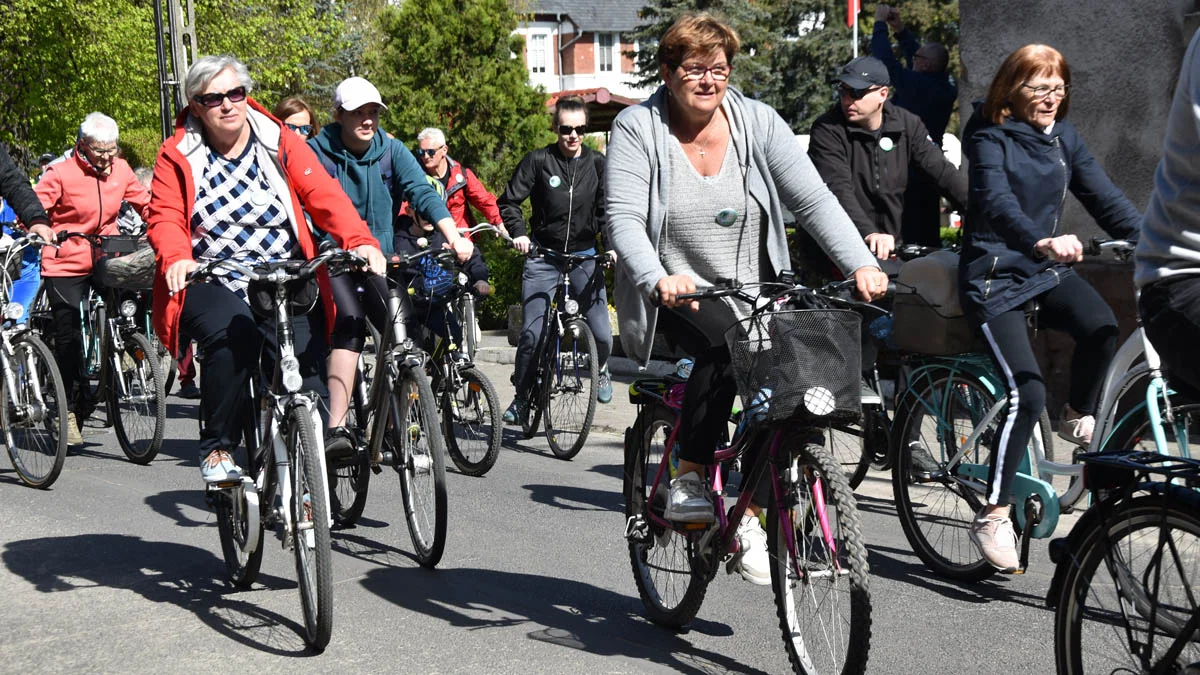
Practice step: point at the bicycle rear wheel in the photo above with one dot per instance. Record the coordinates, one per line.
(472, 415)
(847, 443)
(661, 557)
(569, 391)
(310, 529)
(1134, 433)
(137, 404)
(33, 413)
(1132, 589)
(419, 451)
(822, 595)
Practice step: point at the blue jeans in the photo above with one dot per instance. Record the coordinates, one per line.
(25, 287)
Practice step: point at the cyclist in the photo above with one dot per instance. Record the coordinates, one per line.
(699, 179)
(24, 210)
(1167, 262)
(234, 183)
(82, 193)
(1024, 156)
(565, 181)
(378, 173)
(459, 183)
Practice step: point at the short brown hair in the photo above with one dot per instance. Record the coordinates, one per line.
(698, 33)
(1028, 61)
(571, 104)
(292, 105)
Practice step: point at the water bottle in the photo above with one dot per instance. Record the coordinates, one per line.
(683, 368)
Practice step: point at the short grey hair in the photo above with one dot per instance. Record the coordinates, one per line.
(432, 134)
(99, 128)
(208, 67)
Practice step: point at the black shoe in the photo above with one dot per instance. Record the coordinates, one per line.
(924, 468)
(339, 444)
(188, 391)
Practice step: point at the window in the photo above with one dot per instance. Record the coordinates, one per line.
(537, 52)
(605, 52)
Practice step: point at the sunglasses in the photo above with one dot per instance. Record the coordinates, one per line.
(565, 130)
(302, 129)
(855, 94)
(235, 95)
(428, 153)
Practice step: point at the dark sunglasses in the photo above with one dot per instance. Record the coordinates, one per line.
(855, 94)
(302, 129)
(566, 130)
(235, 95)
(428, 153)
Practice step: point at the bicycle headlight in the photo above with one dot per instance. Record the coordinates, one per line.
(290, 367)
(571, 307)
(14, 311)
(128, 308)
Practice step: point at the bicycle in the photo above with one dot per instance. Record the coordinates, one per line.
(32, 399)
(814, 538)
(283, 433)
(393, 405)
(949, 413)
(566, 366)
(1124, 586)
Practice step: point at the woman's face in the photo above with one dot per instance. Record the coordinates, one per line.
(296, 121)
(570, 143)
(1038, 98)
(698, 83)
(360, 125)
(227, 117)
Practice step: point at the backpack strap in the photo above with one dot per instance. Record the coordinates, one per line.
(386, 168)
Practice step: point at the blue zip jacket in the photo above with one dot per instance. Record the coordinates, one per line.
(1019, 179)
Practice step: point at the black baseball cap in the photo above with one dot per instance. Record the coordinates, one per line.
(863, 73)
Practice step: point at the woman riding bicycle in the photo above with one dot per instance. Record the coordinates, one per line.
(234, 183)
(1024, 157)
(378, 173)
(698, 179)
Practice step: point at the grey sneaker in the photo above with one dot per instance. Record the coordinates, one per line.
(755, 565)
(689, 501)
(604, 389)
(1077, 430)
(73, 435)
(923, 467)
(218, 467)
(997, 542)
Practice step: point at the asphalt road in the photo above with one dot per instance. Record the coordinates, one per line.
(118, 569)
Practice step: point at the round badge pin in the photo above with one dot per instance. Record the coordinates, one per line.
(887, 144)
(727, 217)
(260, 197)
(555, 181)
(460, 178)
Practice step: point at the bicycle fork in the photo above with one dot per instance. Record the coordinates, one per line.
(27, 406)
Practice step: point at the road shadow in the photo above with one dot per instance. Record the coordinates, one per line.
(611, 470)
(559, 611)
(159, 571)
(371, 550)
(902, 566)
(573, 498)
(171, 504)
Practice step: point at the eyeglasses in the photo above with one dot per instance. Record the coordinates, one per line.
(302, 129)
(695, 71)
(1043, 91)
(855, 94)
(235, 95)
(566, 129)
(101, 152)
(428, 152)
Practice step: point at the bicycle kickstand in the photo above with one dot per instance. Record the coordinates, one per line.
(1033, 516)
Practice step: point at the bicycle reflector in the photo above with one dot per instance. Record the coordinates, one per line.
(819, 401)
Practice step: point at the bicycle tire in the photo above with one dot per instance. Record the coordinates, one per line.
(473, 424)
(350, 480)
(569, 397)
(469, 324)
(36, 440)
(140, 416)
(419, 451)
(662, 559)
(314, 566)
(813, 646)
(1105, 592)
(241, 566)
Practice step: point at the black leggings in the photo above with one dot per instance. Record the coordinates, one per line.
(66, 296)
(1170, 311)
(1073, 307)
(358, 296)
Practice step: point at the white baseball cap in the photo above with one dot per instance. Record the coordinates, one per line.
(355, 92)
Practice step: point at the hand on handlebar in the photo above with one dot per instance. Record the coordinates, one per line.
(463, 248)
(870, 282)
(44, 232)
(1065, 249)
(881, 245)
(669, 287)
(177, 274)
(521, 244)
(374, 257)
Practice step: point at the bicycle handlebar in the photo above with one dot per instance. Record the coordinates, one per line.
(1122, 249)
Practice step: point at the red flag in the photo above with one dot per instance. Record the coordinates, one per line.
(852, 9)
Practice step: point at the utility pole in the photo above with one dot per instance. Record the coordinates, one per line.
(176, 48)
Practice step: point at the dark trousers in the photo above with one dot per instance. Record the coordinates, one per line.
(230, 339)
(1075, 308)
(921, 222)
(1170, 311)
(66, 295)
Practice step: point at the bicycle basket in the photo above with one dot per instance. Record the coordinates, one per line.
(134, 271)
(799, 365)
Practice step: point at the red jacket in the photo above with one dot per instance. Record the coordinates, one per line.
(312, 191)
(79, 200)
(465, 187)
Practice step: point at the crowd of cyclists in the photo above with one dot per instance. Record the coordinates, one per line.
(693, 188)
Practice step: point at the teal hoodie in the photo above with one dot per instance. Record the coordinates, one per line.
(362, 180)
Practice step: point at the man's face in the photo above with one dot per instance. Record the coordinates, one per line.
(360, 124)
(861, 106)
(432, 156)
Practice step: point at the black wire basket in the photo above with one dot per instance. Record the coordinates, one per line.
(799, 365)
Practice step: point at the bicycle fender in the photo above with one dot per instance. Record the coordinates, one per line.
(977, 370)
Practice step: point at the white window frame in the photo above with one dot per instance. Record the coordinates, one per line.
(610, 53)
(539, 56)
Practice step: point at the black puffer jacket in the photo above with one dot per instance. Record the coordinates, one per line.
(1019, 178)
(567, 196)
(14, 187)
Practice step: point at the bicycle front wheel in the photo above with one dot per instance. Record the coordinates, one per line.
(1131, 590)
(569, 390)
(416, 440)
(310, 530)
(472, 415)
(137, 404)
(819, 568)
(33, 414)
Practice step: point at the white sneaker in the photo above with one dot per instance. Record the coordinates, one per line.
(1077, 430)
(997, 541)
(688, 500)
(755, 565)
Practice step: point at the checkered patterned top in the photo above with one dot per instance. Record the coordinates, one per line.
(237, 215)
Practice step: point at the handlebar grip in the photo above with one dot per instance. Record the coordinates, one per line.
(1093, 246)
